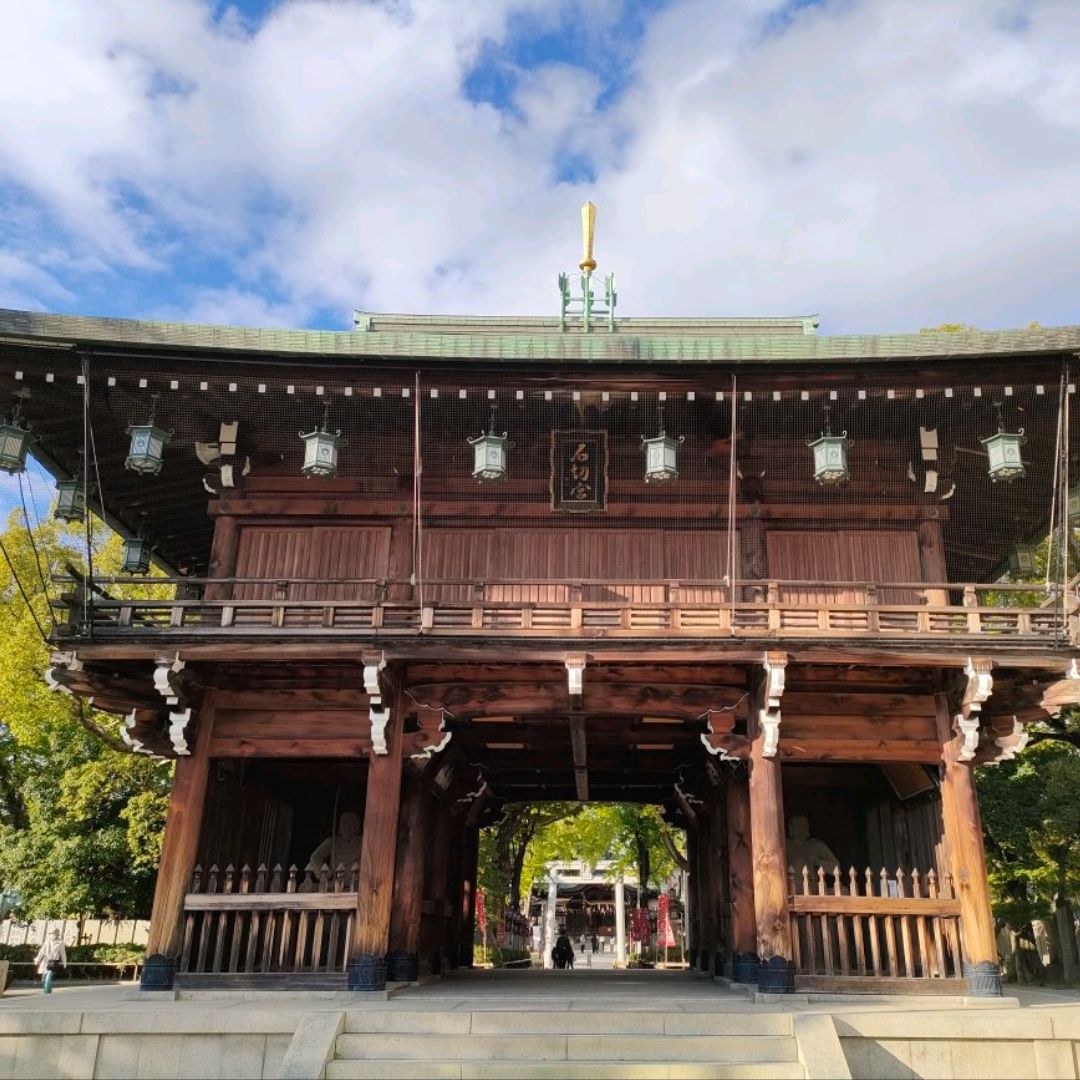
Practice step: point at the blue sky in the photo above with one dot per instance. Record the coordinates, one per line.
(888, 164)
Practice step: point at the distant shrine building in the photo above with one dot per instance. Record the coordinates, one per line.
(792, 588)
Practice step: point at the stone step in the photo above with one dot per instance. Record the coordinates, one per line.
(551, 1047)
(441, 1069)
(556, 1022)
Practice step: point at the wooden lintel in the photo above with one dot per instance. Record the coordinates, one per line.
(427, 649)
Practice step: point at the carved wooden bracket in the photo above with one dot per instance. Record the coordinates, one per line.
(167, 678)
(1011, 743)
(61, 663)
(684, 800)
(719, 738)
(575, 678)
(775, 665)
(977, 690)
(1065, 691)
(429, 750)
(374, 666)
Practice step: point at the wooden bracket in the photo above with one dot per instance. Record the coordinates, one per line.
(1065, 691)
(374, 665)
(575, 678)
(178, 725)
(61, 662)
(775, 665)
(167, 678)
(978, 687)
(379, 719)
(684, 800)
(1009, 744)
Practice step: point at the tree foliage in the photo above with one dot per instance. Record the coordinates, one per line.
(514, 851)
(1031, 818)
(80, 816)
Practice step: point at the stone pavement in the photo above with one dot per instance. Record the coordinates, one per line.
(479, 1024)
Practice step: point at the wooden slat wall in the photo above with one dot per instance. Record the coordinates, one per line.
(850, 555)
(329, 551)
(910, 835)
(617, 555)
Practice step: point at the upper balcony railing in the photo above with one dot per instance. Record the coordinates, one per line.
(1022, 615)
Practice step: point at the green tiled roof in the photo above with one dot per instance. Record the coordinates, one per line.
(648, 341)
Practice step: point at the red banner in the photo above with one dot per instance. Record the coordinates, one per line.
(665, 936)
(481, 913)
(639, 925)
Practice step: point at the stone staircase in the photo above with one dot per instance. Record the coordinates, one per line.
(398, 1043)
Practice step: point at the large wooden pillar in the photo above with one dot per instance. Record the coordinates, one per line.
(718, 881)
(179, 849)
(706, 893)
(454, 891)
(469, 865)
(378, 855)
(744, 962)
(693, 846)
(776, 970)
(967, 859)
(435, 889)
(403, 959)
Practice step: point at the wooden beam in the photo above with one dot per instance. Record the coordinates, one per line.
(378, 850)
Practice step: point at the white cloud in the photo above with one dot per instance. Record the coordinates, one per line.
(890, 163)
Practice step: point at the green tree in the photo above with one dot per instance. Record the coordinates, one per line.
(80, 816)
(632, 836)
(504, 848)
(1031, 818)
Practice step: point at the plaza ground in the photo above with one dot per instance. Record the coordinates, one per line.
(526, 1023)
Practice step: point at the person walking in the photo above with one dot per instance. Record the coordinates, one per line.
(51, 958)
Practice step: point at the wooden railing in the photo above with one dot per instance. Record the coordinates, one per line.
(882, 927)
(268, 921)
(582, 608)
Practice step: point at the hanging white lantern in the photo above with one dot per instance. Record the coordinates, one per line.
(1003, 450)
(661, 455)
(136, 555)
(14, 443)
(1022, 560)
(830, 459)
(661, 462)
(70, 500)
(321, 448)
(148, 441)
(490, 453)
(830, 455)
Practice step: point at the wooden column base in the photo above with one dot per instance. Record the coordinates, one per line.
(402, 967)
(776, 976)
(366, 972)
(744, 968)
(158, 973)
(983, 980)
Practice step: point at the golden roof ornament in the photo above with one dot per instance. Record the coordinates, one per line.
(579, 309)
(588, 230)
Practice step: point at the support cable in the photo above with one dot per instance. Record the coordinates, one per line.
(34, 549)
(88, 530)
(23, 593)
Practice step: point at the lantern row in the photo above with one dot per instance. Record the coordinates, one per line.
(322, 448)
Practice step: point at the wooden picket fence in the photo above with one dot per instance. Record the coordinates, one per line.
(268, 921)
(871, 931)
